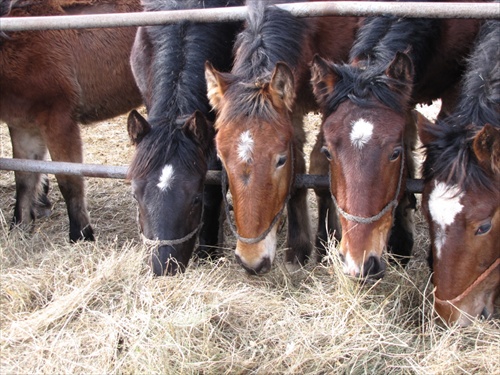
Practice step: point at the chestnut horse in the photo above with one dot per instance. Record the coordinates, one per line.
(175, 146)
(50, 81)
(369, 133)
(461, 197)
(260, 106)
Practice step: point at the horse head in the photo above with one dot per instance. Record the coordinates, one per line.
(255, 144)
(168, 175)
(366, 132)
(464, 221)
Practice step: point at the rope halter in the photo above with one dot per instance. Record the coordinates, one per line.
(159, 243)
(471, 287)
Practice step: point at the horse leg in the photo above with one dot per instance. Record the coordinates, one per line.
(328, 222)
(31, 187)
(299, 226)
(62, 136)
(209, 235)
(401, 237)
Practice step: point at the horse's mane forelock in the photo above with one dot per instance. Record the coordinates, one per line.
(164, 143)
(271, 35)
(450, 157)
(362, 86)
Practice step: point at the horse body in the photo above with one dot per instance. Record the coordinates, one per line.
(260, 107)
(175, 145)
(52, 80)
(461, 198)
(369, 132)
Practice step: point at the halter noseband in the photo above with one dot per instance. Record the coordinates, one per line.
(254, 240)
(466, 292)
(372, 219)
(159, 243)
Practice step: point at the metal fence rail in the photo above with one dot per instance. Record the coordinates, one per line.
(329, 8)
(120, 172)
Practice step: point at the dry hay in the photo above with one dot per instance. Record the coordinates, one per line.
(94, 308)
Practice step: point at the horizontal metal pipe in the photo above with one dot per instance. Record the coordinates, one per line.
(330, 8)
(120, 172)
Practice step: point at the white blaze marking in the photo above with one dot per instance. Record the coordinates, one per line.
(166, 178)
(444, 205)
(361, 133)
(245, 147)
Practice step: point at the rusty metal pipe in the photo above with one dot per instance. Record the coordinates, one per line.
(120, 172)
(329, 8)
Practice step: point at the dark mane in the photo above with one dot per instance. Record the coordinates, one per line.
(380, 38)
(164, 143)
(450, 157)
(177, 86)
(180, 52)
(362, 85)
(271, 35)
(376, 44)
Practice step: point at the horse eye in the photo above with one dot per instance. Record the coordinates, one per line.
(483, 229)
(197, 200)
(325, 151)
(281, 161)
(395, 154)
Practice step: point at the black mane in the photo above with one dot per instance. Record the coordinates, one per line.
(178, 86)
(376, 45)
(362, 85)
(180, 52)
(271, 35)
(156, 150)
(450, 156)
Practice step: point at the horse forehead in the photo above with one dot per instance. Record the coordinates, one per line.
(245, 146)
(166, 179)
(361, 132)
(445, 203)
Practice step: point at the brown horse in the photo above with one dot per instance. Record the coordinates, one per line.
(50, 81)
(369, 133)
(461, 197)
(260, 107)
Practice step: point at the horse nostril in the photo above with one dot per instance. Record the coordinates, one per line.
(373, 268)
(485, 314)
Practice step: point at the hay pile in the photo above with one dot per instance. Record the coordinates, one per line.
(94, 308)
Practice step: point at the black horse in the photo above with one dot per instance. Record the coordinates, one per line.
(175, 145)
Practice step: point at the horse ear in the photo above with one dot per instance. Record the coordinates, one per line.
(137, 127)
(486, 146)
(216, 85)
(323, 78)
(425, 127)
(200, 128)
(401, 68)
(282, 86)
